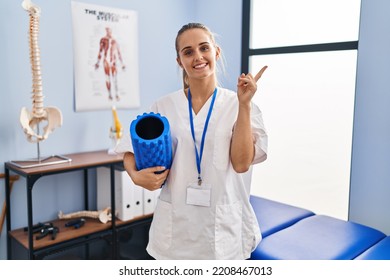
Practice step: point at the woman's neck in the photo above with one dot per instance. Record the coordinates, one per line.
(201, 89)
(200, 93)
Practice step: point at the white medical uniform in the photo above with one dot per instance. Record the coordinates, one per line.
(227, 229)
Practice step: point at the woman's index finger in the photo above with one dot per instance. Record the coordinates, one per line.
(260, 73)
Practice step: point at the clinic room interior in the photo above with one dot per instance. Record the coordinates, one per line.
(324, 100)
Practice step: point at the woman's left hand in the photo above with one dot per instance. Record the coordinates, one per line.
(247, 86)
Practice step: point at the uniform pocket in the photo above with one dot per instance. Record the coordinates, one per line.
(161, 229)
(228, 231)
(221, 156)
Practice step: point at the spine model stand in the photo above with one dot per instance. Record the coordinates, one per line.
(30, 120)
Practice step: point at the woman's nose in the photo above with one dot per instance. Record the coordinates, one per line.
(198, 56)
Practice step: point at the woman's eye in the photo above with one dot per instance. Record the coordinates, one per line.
(205, 48)
(188, 52)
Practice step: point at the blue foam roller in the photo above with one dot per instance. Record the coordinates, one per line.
(151, 139)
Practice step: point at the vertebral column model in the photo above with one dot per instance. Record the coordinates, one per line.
(51, 115)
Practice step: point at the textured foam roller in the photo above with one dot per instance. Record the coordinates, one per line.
(151, 139)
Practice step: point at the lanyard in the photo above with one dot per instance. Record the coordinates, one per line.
(199, 156)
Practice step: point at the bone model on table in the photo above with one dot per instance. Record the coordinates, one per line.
(116, 131)
(104, 215)
(30, 120)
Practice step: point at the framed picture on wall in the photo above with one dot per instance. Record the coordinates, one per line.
(105, 45)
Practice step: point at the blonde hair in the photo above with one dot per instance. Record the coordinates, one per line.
(189, 26)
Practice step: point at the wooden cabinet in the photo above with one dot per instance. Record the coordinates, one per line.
(94, 234)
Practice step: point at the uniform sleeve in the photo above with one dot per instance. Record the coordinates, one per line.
(124, 145)
(259, 133)
(154, 108)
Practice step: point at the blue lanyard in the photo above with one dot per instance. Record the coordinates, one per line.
(199, 157)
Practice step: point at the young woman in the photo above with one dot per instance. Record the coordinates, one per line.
(203, 211)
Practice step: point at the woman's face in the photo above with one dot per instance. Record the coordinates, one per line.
(197, 54)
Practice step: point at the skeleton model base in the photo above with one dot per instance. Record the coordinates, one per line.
(36, 162)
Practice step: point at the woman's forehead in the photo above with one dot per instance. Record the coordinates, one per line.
(193, 37)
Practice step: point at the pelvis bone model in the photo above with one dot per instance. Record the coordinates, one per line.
(51, 115)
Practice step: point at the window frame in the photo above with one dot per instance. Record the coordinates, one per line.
(247, 55)
(247, 51)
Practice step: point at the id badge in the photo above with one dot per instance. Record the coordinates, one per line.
(199, 195)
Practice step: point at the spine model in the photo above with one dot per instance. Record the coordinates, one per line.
(30, 120)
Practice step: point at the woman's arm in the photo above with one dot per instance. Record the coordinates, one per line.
(242, 148)
(146, 178)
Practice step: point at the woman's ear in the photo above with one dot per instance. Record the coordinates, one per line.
(217, 52)
(179, 62)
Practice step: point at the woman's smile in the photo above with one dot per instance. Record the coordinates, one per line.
(200, 66)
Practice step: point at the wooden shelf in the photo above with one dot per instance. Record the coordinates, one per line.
(91, 226)
(67, 236)
(78, 161)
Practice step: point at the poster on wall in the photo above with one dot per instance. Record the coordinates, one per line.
(105, 46)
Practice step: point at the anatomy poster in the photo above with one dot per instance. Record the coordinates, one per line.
(105, 44)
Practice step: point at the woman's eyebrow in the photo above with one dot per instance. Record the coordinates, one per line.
(185, 48)
(189, 47)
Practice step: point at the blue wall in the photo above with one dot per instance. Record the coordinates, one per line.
(159, 22)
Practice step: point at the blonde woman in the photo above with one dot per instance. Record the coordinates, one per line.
(203, 211)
